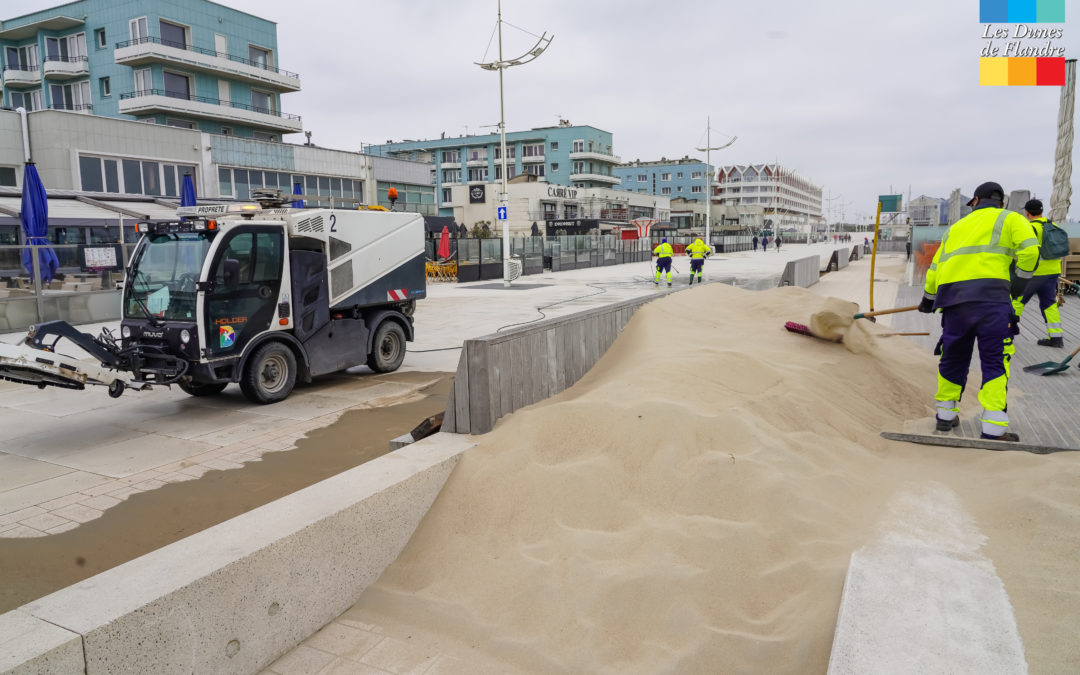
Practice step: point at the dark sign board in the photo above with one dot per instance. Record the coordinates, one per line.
(477, 194)
(570, 226)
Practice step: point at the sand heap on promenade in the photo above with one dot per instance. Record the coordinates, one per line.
(691, 505)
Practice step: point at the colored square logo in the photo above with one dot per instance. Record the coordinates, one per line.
(993, 11)
(1050, 72)
(1022, 11)
(993, 72)
(1022, 72)
(1051, 11)
(227, 336)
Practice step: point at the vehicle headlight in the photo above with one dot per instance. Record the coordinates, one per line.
(125, 332)
(185, 336)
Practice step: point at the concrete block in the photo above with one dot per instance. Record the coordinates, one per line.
(30, 646)
(234, 597)
(400, 442)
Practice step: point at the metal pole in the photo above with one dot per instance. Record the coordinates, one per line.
(873, 255)
(504, 199)
(708, 178)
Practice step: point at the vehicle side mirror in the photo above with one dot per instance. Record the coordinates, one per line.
(231, 273)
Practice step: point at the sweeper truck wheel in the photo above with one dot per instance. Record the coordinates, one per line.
(202, 388)
(116, 388)
(270, 374)
(388, 348)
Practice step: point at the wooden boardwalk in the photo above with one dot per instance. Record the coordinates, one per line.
(1042, 410)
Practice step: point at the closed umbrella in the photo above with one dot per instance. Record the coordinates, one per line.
(35, 222)
(444, 243)
(298, 189)
(187, 191)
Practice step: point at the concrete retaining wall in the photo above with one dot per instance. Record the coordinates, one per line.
(500, 373)
(856, 253)
(234, 597)
(803, 272)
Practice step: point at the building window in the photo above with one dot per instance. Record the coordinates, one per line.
(22, 58)
(695, 189)
(554, 145)
(262, 101)
(579, 167)
(70, 48)
(132, 176)
(511, 172)
(532, 150)
(263, 136)
(678, 175)
(665, 176)
(177, 85)
(451, 157)
(446, 195)
(579, 146)
(535, 169)
(180, 124)
(173, 35)
(7, 176)
(696, 174)
(144, 83)
(554, 166)
(260, 57)
(70, 96)
(642, 178)
(139, 30)
(451, 175)
(678, 189)
(665, 191)
(511, 152)
(226, 131)
(99, 38)
(30, 100)
(106, 87)
(476, 154)
(478, 174)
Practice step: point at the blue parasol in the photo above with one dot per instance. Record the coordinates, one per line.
(35, 222)
(187, 191)
(298, 189)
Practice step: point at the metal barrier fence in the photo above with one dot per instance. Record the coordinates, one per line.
(479, 259)
(74, 294)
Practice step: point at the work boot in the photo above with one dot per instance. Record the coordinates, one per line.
(947, 425)
(1052, 342)
(669, 284)
(1007, 436)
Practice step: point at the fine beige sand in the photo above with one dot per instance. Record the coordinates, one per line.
(691, 505)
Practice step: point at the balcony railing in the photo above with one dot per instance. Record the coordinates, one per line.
(65, 59)
(30, 68)
(207, 52)
(206, 99)
(77, 107)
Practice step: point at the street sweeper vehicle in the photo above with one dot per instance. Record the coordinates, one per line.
(264, 296)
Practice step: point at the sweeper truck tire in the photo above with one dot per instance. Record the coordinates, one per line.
(388, 348)
(270, 374)
(202, 388)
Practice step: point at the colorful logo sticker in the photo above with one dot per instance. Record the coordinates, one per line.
(228, 336)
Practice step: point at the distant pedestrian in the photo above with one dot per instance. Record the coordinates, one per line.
(907, 247)
(866, 245)
(1043, 284)
(778, 242)
(755, 242)
(764, 243)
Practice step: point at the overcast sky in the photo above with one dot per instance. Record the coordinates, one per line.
(862, 97)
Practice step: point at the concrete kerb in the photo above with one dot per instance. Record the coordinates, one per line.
(803, 272)
(234, 597)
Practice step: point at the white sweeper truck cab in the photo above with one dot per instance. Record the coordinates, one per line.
(259, 295)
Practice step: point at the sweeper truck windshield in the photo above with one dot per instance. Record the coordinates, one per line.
(164, 274)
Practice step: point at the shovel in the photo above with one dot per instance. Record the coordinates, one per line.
(1052, 367)
(894, 310)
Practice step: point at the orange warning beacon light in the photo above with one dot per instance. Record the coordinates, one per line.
(391, 194)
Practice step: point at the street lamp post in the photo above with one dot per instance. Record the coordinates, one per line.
(708, 173)
(501, 65)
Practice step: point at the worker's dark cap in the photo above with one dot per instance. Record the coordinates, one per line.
(989, 190)
(1034, 207)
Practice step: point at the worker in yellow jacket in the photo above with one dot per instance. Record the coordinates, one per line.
(1044, 283)
(697, 252)
(969, 282)
(663, 253)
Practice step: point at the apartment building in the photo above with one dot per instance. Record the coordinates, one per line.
(684, 178)
(788, 199)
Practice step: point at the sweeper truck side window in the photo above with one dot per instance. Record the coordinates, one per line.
(247, 279)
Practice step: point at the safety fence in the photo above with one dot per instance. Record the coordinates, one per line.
(77, 293)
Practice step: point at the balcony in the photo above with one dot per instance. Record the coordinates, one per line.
(155, 50)
(65, 68)
(595, 177)
(22, 76)
(85, 108)
(152, 101)
(532, 159)
(479, 161)
(596, 156)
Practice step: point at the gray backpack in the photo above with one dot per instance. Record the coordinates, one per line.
(1055, 242)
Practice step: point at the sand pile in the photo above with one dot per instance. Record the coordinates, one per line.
(691, 505)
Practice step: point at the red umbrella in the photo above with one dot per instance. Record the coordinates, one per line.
(444, 243)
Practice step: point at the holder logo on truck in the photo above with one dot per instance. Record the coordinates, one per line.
(228, 336)
(397, 294)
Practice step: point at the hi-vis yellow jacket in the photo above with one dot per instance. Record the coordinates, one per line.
(972, 263)
(663, 250)
(698, 249)
(1046, 267)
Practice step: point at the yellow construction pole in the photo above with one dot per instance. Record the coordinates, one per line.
(873, 255)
